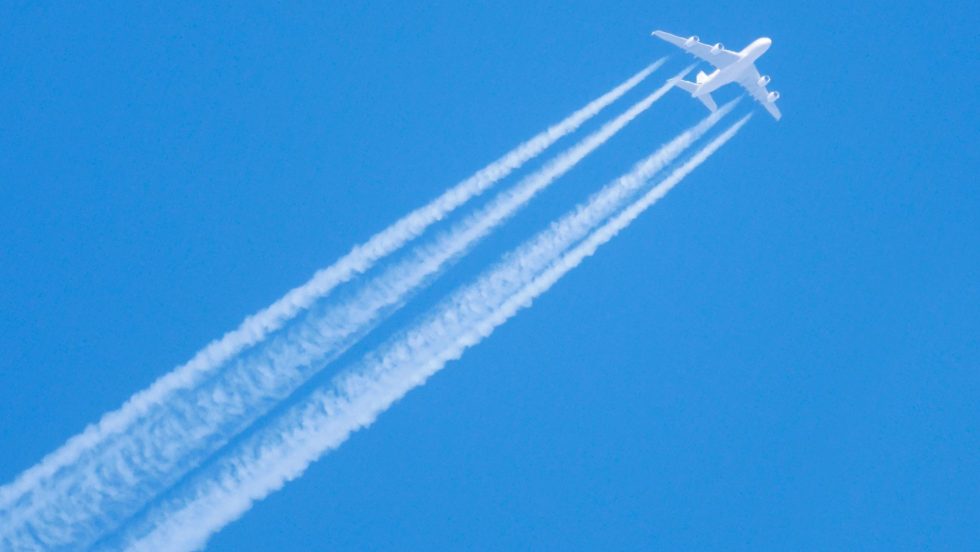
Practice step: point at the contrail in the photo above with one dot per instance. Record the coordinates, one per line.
(362, 257)
(281, 451)
(111, 482)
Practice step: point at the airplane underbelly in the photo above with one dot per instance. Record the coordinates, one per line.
(727, 75)
(711, 85)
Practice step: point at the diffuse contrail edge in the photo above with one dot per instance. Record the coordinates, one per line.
(257, 327)
(359, 259)
(355, 402)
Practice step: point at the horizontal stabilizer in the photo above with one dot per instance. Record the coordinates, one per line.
(686, 86)
(708, 102)
(706, 99)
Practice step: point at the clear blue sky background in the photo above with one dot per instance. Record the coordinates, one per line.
(782, 354)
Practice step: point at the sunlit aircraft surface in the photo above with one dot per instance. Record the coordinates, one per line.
(730, 67)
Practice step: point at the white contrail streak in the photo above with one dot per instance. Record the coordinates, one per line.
(110, 483)
(256, 327)
(281, 451)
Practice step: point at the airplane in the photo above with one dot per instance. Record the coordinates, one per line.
(730, 67)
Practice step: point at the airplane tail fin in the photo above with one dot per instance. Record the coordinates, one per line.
(691, 87)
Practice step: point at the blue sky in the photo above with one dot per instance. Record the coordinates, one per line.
(781, 354)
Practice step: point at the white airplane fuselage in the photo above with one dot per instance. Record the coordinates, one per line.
(731, 73)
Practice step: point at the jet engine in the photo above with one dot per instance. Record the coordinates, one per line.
(772, 96)
(717, 48)
(764, 80)
(691, 40)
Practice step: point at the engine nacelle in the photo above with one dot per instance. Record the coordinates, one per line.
(764, 80)
(691, 41)
(772, 97)
(717, 48)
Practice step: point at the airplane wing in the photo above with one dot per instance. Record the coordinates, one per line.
(750, 82)
(719, 59)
